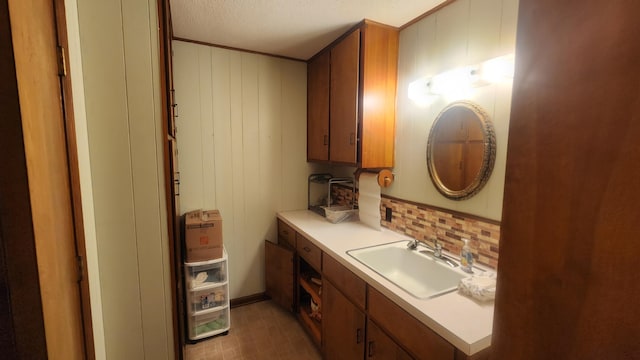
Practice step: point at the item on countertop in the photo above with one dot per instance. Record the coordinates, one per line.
(479, 286)
(466, 257)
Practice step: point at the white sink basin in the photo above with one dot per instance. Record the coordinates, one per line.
(421, 275)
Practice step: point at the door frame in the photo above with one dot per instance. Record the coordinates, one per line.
(21, 266)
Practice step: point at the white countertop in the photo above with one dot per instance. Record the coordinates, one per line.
(463, 322)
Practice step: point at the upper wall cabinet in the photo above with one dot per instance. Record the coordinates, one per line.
(351, 98)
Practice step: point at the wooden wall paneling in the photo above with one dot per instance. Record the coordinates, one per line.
(254, 107)
(424, 47)
(187, 80)
(405, 154)
(270, 151)
(293, 184)
(227, 128)
(485, 23)
(240, 201)
(146, 136)
(209, 195)
(452, 32)
(509, 21)
(569, 250)
(253, 212)
(461, 33)
(114, 100)
(224, 157)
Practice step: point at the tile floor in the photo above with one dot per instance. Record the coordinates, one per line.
(258, 331)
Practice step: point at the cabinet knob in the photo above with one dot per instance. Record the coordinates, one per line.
(325, 140)
(358, 336)
(370, 349)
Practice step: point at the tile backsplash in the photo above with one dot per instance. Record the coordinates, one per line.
(420, 221)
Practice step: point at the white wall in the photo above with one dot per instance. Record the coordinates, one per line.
(121, 163)
(465, 32)
(241, 135)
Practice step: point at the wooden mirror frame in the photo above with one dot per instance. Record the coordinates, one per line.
(488, 153)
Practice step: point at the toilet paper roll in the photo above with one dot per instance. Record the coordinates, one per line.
(369, 200)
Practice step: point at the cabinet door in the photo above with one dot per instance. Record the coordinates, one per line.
(415, 336)
(279, 274)
(318, 108)
(379, 66)
(344, 325)
(345, 59)
(381, 346)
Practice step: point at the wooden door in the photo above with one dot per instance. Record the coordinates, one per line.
(21, 321)
(343, 120)
(343, 325)
(46, 149)
(568, 279)
(381, 346)
(279, 274)
(318, 108)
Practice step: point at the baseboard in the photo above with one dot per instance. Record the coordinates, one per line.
(249, 299)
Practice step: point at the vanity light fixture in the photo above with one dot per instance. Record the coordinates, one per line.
(457, 84)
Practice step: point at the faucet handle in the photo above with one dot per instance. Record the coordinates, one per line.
(437, 247)
(412, 245)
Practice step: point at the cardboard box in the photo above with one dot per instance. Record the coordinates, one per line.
(203, 235)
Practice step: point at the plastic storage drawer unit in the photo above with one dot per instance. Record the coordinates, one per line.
(208, 324)
(206, 273)
(207, 297)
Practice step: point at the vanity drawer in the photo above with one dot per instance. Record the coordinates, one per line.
(414, 336)
(344, 280)
(311, 253)
(286, 235)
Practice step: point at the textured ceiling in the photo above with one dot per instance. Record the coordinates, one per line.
(291, 28)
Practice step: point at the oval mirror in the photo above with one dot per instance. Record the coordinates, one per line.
(461, 150)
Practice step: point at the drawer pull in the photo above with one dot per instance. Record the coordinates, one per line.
(285, 232)
(358, 336)
(307, 249)
(325, 140)
(371, 349)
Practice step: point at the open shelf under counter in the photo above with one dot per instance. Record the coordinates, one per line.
(313, 326)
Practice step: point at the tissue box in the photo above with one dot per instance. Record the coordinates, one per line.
(480, 287)
(203, 235)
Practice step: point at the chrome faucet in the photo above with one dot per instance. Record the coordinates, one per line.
(437, 248)
(437, 253)
(412, 245)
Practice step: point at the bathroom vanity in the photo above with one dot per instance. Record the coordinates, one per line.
(362, 313)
